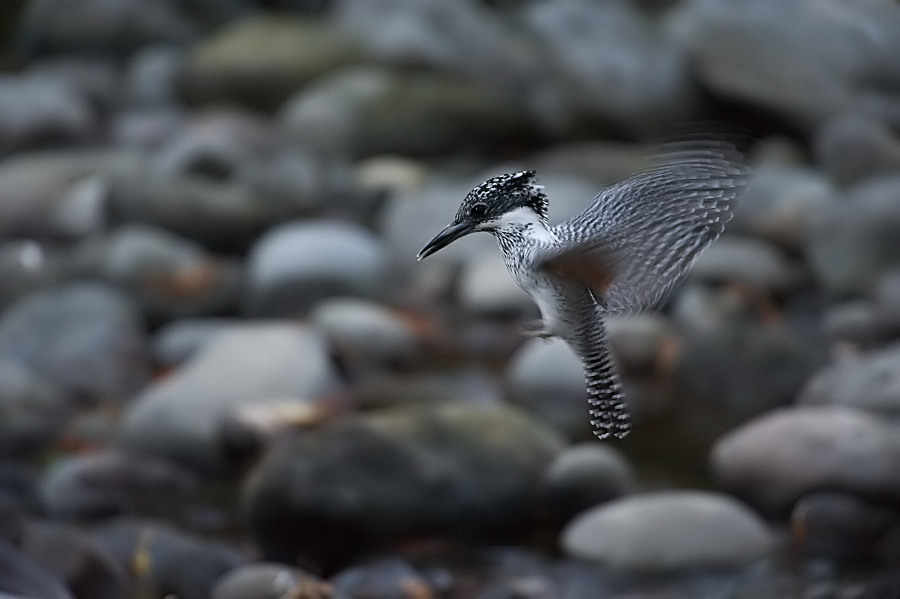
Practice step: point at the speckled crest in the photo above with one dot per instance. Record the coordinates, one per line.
(502, 194)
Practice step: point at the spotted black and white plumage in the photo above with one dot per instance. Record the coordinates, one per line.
(623, 253)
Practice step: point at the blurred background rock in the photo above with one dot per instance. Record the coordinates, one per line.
(223, 374)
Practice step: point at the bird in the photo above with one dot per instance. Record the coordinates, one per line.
(622, 254)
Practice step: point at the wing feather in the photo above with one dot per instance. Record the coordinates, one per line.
(656, 222)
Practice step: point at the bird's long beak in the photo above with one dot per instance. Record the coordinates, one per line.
(451, 233)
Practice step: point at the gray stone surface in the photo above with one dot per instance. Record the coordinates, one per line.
(751, 262)
(803, 59)
(34, 109)
(87, 339)
(179, 417)
(112, 26)
(778, 457)
(110, 483)
(399, 474)
(169, 276)
(851, 242)
(669, 530)
(870, 381)
(365, 332)
(297, 264)
(369, 110)
(261, 61)
(546, 378)
(611, 66)
(585, 475)
(781, 204)
(268, 580)
(852, 147)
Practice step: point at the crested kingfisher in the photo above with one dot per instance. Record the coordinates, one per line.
(623, 253)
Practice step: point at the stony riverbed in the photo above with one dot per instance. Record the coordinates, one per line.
(223, 374)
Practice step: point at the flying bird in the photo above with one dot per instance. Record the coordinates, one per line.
(622, 254)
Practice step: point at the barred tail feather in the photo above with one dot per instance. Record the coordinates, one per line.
(608, 411)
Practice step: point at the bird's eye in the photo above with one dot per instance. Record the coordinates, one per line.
(477, 211)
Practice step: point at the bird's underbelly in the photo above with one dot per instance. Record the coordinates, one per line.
(549, 301)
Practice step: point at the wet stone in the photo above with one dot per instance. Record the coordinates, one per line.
(264, 580)
(110, 483)
(180, 417)
(259, 62)
(870, 381)
(583, 476)
(296, 265)
(669, 530)
(85, 338)
(780, 456)
(160, 553)
(398, 474)
(546, 378)
(389, 577)
(846, 528)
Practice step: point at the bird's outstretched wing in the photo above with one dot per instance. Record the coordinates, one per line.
(644, 232)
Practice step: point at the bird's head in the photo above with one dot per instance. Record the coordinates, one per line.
(505, 199)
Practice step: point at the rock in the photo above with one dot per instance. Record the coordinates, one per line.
(365, 111)
(176, 342)
(26, 266)
(770, 53)
(388, 577)
(597, 162)
(85, 338)
(33, 411)
(295, 265)
(750, 262)
(744, 367)
(850, 243)
(855, 322)
(462, 37)
(110, 483)
(270, 581)
(583, 476)
(525, 573)
(546, 378)
(161, 557)
(71, 555)
(35, 110)
(145, 128)
(151, 76)
(845, 528)
(261, 61)
(169, 276)
(365, 332)
(398, 474)
(852, 147)
(886, 300)
(610, 65)
(640, 342)
(778, 457)
(216, 143)
(301, 180)
(781, 203)
(669, 530)
(21, 578)
(111, 26)
(869, 382)
(391, 174)
(179, 417)
(222, 215)
(56, 194)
